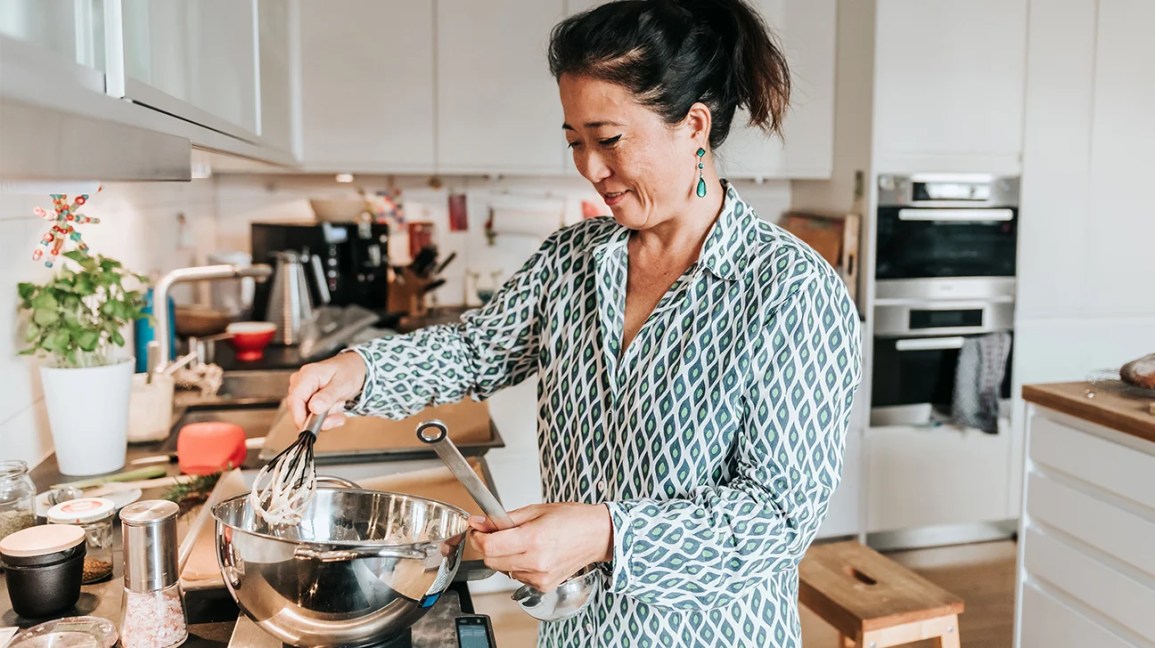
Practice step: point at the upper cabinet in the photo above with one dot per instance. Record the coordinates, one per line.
(275, 26)
(806, 32)
(497, 105)
(367, 86)
(196, 60)
(949, 85)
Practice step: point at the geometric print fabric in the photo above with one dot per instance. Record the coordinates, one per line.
(715, 439)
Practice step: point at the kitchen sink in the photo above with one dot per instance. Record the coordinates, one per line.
(240, 388)
(252, 384)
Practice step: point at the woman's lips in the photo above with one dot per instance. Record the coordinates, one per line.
(614, 197)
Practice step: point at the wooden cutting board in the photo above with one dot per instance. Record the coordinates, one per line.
(834, 236)
(468, 422)
(201, 570)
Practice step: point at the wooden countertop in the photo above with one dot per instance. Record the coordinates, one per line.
(1114, 405)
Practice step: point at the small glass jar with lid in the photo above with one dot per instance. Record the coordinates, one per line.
(17, 493)
(94, 515)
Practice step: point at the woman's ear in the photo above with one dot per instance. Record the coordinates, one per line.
(698, 122)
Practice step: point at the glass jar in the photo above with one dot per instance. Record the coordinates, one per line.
(17, 493)
(94, 515)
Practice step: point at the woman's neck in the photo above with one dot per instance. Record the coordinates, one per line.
(681, 237)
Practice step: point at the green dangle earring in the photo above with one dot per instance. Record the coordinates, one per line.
(701, 180)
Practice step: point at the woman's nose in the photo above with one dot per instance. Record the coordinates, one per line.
(591, 166)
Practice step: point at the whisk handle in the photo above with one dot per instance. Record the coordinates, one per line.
(313, 423)
(436, 434)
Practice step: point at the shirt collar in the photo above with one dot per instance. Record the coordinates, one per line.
(726, 248)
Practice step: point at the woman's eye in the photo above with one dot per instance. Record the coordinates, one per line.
(573, 144)
(610, 141)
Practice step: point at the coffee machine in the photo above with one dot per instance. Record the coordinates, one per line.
(353, 258)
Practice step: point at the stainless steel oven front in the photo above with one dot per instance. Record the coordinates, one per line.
(916, 351)
(946, 235)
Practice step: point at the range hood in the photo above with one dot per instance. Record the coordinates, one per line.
(40, 143)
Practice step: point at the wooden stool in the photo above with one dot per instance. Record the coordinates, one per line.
(873, 601)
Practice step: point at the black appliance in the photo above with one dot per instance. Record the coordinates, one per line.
(354, 259)
(945, 264)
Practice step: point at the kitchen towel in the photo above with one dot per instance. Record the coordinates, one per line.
(982, 363)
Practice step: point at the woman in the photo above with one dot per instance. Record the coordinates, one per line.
(696, 364)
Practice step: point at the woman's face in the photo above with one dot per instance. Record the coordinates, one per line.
(644, 168)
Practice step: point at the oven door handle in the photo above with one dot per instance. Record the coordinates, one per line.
(957, 215)
(929, 344)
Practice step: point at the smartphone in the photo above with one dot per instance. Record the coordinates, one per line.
(475, 631)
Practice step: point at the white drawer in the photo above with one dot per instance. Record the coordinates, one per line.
(1048, 623)
(1126, 535)
(1126, 601)
(1119, 469)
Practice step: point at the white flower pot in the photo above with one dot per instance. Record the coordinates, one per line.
(88, 413)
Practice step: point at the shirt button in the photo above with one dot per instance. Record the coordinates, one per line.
(589, 628)
(601, 486)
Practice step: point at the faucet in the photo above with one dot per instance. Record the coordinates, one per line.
(259, 271)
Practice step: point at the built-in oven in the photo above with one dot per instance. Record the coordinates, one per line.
(945, 263)
(946, 235)
(916, 354)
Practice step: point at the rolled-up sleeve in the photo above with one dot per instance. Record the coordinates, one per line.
(704, 550)
(491, 348)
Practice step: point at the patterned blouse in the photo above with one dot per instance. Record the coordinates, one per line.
(715, 439)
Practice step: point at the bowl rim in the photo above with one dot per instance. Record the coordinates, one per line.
(345, 543)
(251, 328)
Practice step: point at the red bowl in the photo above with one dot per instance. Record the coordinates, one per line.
(250, 339)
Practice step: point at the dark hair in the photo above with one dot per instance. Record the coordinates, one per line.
(673, 53)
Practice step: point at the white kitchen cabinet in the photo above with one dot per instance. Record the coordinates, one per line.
(197, 60)
(276, 25)
(921, 477)
(949, 85)
(497, 104)
(1086, 571)
(806, 32)
(367, 86)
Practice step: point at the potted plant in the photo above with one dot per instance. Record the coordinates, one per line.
(75, 323)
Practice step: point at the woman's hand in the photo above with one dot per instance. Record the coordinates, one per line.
(549, 543)
(322, 386)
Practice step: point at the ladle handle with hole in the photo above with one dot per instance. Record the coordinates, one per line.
(436, 434)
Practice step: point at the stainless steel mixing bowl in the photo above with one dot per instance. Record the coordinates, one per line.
(361, 566)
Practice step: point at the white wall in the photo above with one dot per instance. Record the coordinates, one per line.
(138, 226)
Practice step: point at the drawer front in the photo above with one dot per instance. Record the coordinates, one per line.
(1128, 535)
(1048, 623)
(1117, 468)
(1124, 600)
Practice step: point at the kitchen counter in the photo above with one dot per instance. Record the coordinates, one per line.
(1109, 404)
(1086, 572)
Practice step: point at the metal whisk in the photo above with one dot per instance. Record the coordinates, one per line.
(284, 487)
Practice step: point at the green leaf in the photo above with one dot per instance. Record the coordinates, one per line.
(117, 338)
(45, 300)
(76, 255)
(87, 340)
(26, 290)
(31, 332)
(45, 316)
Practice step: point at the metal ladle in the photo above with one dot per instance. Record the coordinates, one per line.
(573, 595)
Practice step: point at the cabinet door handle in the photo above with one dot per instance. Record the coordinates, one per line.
(929, 344)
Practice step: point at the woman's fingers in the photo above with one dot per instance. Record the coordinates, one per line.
(324, 386)
(511, 542)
